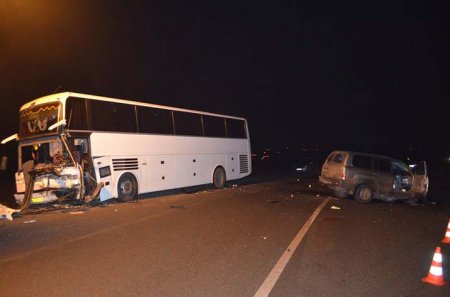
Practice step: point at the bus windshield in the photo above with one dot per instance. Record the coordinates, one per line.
(47, 152)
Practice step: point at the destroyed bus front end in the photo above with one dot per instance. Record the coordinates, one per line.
(50, 165)
(55, 176)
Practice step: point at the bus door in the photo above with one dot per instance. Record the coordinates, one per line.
(102, 166)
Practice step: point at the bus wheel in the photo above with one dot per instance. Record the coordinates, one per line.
(219, 178)
(127, 187)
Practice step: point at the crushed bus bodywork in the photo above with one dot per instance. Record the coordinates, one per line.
(48, 167)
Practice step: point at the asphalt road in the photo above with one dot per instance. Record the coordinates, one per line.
(225, 243)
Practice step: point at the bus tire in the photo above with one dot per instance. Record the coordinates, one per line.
(127, 187)
(219, 178)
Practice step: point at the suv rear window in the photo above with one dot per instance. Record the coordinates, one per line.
(362, 162)
(337, 158)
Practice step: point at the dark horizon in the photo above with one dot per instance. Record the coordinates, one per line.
(324, 75)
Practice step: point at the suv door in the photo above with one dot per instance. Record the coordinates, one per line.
(420, 179)
(384, 176)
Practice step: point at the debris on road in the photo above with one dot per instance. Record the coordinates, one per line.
(30, 221)
(292, 195)
(178, 206)
(264, 237)
(335, 207)
(6, 212)
(77, 212)
(235, 185)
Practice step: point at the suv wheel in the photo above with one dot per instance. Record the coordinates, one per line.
(364, 193)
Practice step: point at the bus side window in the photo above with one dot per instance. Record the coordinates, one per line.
(154, 120)
(114, 117)
(188, 124)
(236, 128)
(214, 126)
(76, 114)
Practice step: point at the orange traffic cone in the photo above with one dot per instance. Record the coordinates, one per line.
(435, 276)
(447, 234)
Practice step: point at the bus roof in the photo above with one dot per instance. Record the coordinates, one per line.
(62, 97)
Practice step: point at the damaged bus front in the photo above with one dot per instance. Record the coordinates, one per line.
(48, 169)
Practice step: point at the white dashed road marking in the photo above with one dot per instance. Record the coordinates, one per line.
(273, 276)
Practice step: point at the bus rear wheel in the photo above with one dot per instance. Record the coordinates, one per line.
(219, 178)
(127, 187)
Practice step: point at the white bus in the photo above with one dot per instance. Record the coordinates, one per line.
(78, 146)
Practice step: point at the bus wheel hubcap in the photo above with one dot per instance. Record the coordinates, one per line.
(126, 187)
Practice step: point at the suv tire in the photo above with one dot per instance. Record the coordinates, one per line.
(363, 194)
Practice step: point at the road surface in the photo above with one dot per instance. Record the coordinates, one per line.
(226, 243)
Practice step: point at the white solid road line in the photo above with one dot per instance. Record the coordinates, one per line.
(273, 276)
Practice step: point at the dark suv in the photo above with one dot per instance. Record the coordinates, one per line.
(368, 176)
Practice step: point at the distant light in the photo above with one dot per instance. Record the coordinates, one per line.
(299, 169)
(412, 165)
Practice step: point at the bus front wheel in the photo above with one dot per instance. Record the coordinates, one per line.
(219, 178)
(127, 187)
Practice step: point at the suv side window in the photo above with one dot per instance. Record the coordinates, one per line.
(364, 162)
(330, 157)
(337, 158)
(383, 165)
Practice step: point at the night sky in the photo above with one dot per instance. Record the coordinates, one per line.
(317, 74)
